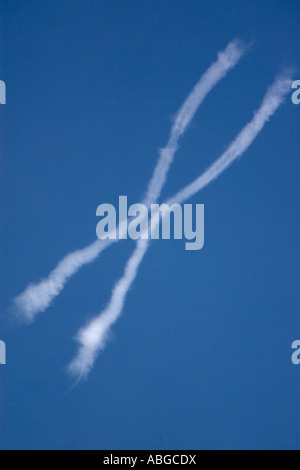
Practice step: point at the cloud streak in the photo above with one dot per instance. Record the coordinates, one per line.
(92, 338)
(37, 297)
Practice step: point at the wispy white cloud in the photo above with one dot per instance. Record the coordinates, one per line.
(218, 70)
(37, 297)
(92, 338)
(274, 97)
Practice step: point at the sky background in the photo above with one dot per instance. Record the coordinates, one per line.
(201, 357)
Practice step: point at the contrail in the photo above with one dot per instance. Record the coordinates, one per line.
(37, 297)
(226, 61)
(92, 338)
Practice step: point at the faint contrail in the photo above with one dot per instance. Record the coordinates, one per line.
(226, 61)
(92, 338)
(38, 297)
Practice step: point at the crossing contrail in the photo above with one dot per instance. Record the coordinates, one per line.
(92, 338)
(37, 297)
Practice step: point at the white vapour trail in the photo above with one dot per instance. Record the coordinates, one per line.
(37, 297)
(226, 61)
(92, 338)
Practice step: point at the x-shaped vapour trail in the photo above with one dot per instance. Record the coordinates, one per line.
(92, 338)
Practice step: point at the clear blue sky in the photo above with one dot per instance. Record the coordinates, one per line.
(201, 358)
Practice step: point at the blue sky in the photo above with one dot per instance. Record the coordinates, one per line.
(201, 358)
